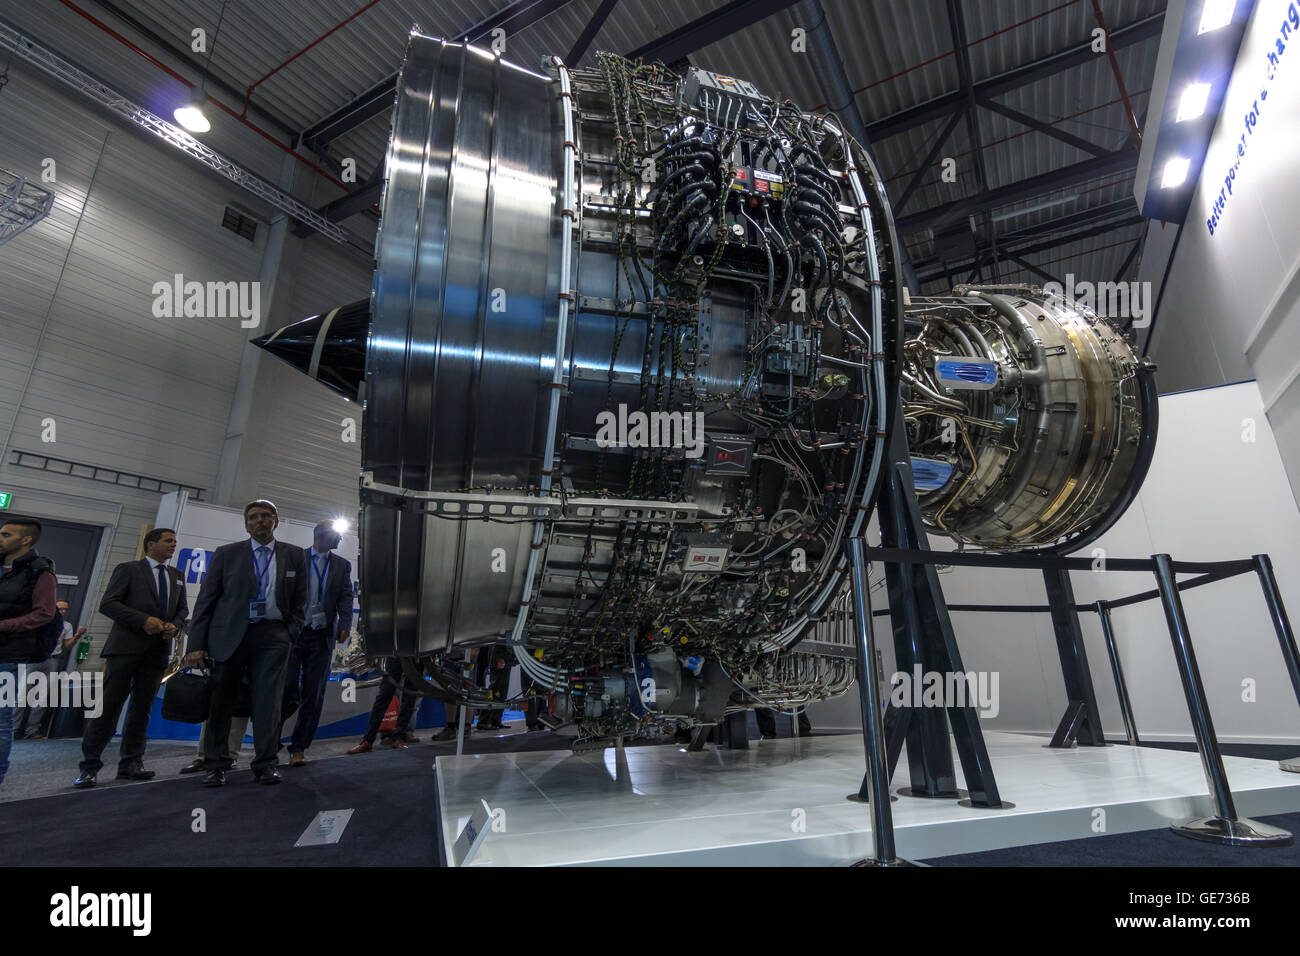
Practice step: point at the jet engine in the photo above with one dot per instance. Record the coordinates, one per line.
(635, 352)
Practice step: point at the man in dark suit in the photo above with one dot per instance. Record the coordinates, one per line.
(146, 601)
(251, 609)
(329, 619)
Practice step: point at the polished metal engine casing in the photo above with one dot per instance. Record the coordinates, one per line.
(489, 362)
(1047, 452)
(505, 320)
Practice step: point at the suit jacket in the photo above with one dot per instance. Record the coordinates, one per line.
(131, 598)
(337, 598)
(221, 612)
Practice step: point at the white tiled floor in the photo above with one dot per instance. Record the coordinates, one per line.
(663, 806)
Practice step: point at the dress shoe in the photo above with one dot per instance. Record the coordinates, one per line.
(135, 773)
(214, 778)
(410, 738)
(362, 748)
(297, 759)
(85, 781)
(397, 743)
(267, 776)
(194, 766)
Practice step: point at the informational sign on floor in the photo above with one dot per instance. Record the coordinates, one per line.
(472, 836)
(327, 828)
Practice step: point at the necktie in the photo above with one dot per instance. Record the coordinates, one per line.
(162, 589)
(262, 566)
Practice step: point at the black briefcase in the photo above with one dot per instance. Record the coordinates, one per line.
(187, 697)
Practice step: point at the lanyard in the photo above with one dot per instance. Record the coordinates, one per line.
(320, 578)
(261, 572)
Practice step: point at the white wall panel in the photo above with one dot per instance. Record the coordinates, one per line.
(130, 391)
(1231, 306)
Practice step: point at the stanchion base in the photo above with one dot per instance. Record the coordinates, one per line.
(860, 799)
(1004, 805)
(896, 862)
(1290, 766)
(909, 792)
(1240, 832)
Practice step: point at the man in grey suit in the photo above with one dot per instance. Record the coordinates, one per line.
(329, 619)
(146, 601)
(251, 609)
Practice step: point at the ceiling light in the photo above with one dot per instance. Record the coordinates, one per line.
(1215, 14)
(190, 116)
(1175, 172)
(1192, 103)
(341, 525)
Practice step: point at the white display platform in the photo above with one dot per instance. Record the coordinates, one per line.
(662, 806)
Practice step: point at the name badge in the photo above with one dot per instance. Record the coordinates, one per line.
(290, 574)
(256, 611)
(317, 618)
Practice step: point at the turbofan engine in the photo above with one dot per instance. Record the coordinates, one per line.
(632, 365)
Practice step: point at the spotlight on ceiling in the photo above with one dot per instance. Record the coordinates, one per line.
(1175, 172)
(1216, 14)
(1192, 103)
(190, 116)
(341, 525)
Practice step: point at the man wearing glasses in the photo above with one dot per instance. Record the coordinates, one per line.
(250, 610)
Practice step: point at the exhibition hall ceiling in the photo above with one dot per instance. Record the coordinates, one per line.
(1049, 205)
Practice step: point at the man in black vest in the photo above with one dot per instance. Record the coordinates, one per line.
(251, 609)
(329, 619)
(146, 602)
(27, 593)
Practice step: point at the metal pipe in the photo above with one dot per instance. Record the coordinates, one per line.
(1121, 688)
(1119, 78)
(828, 67)
(1225, 826)
(1197, 705)
(248, 93)
(1281, 623)
(1285, 636)
(873, 735)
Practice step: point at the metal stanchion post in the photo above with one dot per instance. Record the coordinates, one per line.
(1121, 688)
(1285, 636)
(873, 738)
(1225, 826)
(466, 715)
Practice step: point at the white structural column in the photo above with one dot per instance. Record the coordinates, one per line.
(244, 447)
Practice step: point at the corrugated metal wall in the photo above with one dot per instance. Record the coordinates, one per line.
(308, 470)
(128, 390)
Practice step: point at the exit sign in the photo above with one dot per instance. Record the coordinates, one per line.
(4, 498)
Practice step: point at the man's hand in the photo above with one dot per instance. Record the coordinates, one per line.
(81, 632)
(195, 658)
(169, 629)
(344, 634)
(153, 625)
